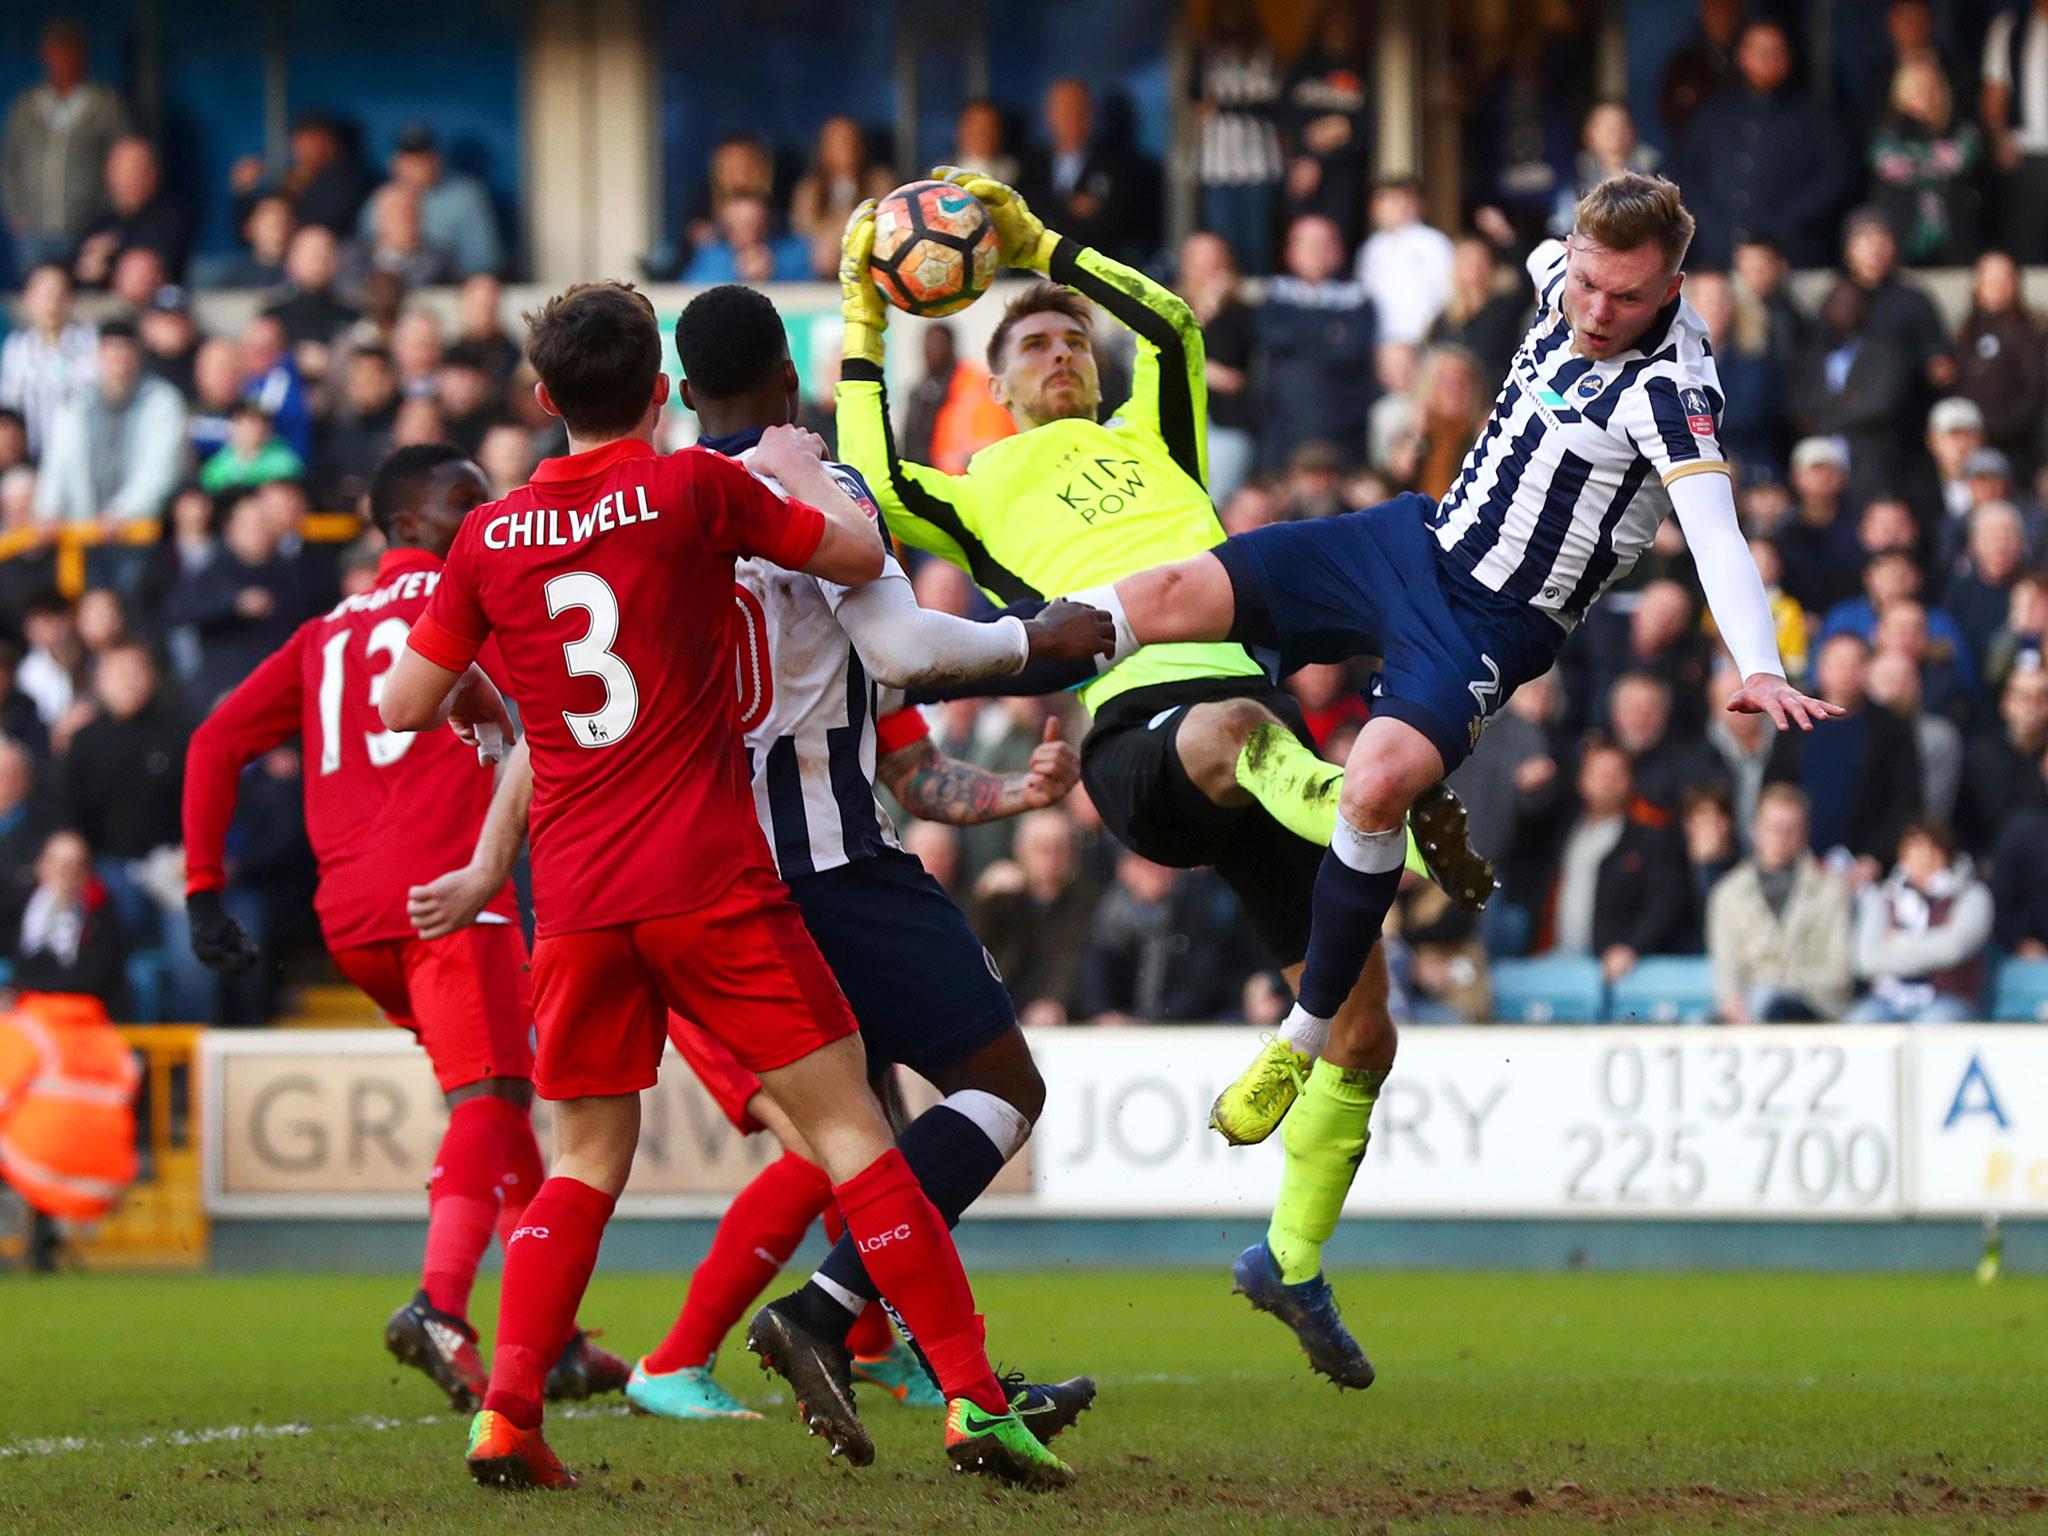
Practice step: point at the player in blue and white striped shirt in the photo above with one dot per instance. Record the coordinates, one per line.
(1606, 422)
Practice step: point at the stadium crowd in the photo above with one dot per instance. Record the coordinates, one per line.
(1890, 474)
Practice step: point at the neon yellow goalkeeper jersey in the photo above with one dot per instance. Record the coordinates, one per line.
(1074, 503)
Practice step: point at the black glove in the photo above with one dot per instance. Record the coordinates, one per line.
(217, 939)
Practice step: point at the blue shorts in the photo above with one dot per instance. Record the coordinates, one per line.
(1373, 583)
(926, 993)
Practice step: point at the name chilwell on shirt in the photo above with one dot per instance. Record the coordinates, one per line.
(552, 527)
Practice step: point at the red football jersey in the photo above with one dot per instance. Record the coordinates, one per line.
(385, 810)
(607, 583)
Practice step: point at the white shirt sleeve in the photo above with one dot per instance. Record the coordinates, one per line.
(1547, 262)
(1997, 50)
(1705, 505)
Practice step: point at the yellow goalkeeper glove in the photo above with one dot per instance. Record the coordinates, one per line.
(1023, 239)
(860, 301)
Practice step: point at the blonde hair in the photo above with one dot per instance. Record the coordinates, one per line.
(1632, 209)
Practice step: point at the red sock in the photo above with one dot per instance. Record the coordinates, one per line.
(870, 1337)
(462, 1199)
(910, 1256)
(522, 1177)
(547, 1266)
(759, 1232)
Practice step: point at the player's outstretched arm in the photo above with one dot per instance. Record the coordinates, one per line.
(1705, 504)
(452, 901)
(906, 646)
(1169, 385)
(935, 787)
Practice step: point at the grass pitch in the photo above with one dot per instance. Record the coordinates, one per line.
(1530, 1403)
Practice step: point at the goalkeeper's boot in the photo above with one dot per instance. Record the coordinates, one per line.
(690, 1393)
(502, 1455)
(442, 1347)
(584, 1370)
(900, 1374)
(1048, 1407)
(1001, 1446)
(1443, 836)
(819, 1371)
(1251, 1108)
(1310, 1310)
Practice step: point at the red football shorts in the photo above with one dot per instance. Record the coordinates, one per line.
(466, 996)
(729, 1084)
(745, 966)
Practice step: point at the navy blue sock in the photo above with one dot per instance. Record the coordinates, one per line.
(953, 1159)
(1350, 906)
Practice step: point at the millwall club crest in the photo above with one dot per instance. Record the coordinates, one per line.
(1699, 415)
(1485, 693)
(1590, 386)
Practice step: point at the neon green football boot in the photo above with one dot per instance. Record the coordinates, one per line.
(1251, 1108)
(1000, 1446)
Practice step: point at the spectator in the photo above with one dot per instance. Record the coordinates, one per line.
(47, 674)
(1920, 936)
(740, 167)
(1857, 383)
(1666, 643)
(1860, 776)
(49, 357)
(2001, 365)
(359, 435)
(416, 346)
(1208, 280)
(1703, 68)
(1251, 505)
(1924, 162)
(138, 213)
(14, 452)
(840, 176)
(170, 339)
(467, 403)
(1939, 491)
(394, 241)
(1665, 757)
(53, 151)
(1760, 273)
(455, 212)
(186, 545)
(506, 456)
(1436, 965)
(139, 274)
(271, 380)
(254, 453)
(951, 415)
(1898, 309)
(267, 231)
(1404, 265)
(1778, 928)
(1762, 157)
(1327, 125)
(217, 382)
(419, 421)
(747, 250)
(1085, 184)
(1237, 153)
(1608, 146)
(1979, 594)
(1316, 338)
(121, 780)
(1941, 661)
(325, 181)
(1895, 684)
(482, 326)
(1164, 946)
(1449, 409)
(116, 452)
(1328, 701)
(1706, 818)
(23, 828)
(1753, 376)
(978, 142)
(1891, 575)
(70, 939)
(1621, 882)
(312, 313)
(243, 604)
(2022, 641)
(1514, 795)
(1484, 314)
(1034, 910)
(1314, 486)
(2002, 765)
(1743, 741)
(2014, 105)
(1394, 420)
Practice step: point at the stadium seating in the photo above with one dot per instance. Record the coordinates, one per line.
(2020, 994)
(1564, 989)
(1664, 989)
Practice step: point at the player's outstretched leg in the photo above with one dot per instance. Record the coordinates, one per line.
(755, 1238)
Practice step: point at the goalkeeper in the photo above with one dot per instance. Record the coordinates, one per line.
(1195, 758)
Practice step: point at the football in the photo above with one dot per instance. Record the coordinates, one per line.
(935, 248)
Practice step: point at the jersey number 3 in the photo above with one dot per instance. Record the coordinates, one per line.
(592, 657)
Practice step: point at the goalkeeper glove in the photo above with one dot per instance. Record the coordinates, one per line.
(217, 939)
(1023, 239)
(860, 301)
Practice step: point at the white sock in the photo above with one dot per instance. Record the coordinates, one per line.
(995, 1118)
(839, 1293)
(1105, 598)
(1305, 1032)
(1370, 853)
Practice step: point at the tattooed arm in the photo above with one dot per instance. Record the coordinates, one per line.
(935, 787)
